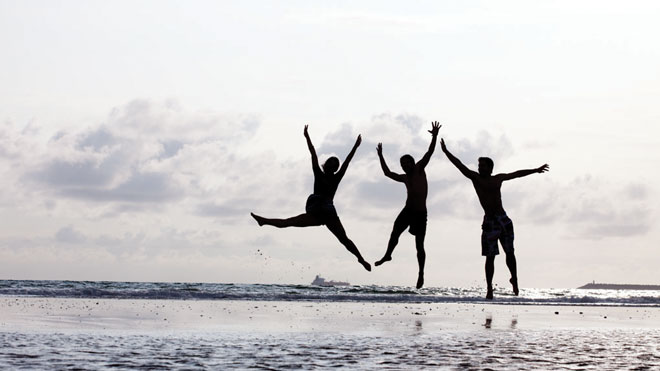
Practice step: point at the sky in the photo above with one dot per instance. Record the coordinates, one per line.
(137, 136)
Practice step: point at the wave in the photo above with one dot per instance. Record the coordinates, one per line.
(273, 292)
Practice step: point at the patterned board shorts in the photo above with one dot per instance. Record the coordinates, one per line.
(494, 228)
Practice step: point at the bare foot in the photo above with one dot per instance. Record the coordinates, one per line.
(259, 219)
(420, 280)
(514, 283)
(489, 294)
(366, 265)
(383, 260)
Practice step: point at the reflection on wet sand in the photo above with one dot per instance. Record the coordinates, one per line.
(489, 322)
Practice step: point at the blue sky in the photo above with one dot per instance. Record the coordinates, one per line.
(136, 137)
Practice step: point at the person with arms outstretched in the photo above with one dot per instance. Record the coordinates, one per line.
(414, 212)
(496, 224)
(320, 209)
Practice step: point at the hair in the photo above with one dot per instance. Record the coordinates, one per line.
(408, 157)
(331, 165)
(488, 161)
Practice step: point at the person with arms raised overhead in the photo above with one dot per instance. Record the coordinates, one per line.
(320, 208)
(414, 213)
(496, 224)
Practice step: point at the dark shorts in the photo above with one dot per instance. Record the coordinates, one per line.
(321, 208)
(416, 219)
(494, 228)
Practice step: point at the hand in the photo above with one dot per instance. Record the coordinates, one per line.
(305, 132)
(358, 141)
(435, 127)
(379, 149)
(543, 168)
(442, 145)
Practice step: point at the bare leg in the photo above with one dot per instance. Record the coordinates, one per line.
(490, 271)
(511, 263)
(302, 220)
(337, 229)
(421, 259)
(397, 229)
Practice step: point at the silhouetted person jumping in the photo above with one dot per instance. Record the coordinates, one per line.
(320, 209)
(413, 214)
(496, 224)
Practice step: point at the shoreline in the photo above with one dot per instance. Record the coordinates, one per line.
(32, 314)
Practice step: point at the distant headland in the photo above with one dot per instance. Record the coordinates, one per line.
(618, 286)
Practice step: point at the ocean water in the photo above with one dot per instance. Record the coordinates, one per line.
(385, 294)
(501, 350)
(505, 346)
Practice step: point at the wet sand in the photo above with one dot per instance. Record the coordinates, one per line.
(381, 319)
(55, 333)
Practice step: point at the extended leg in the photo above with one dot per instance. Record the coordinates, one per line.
(421, 259)
(511, 263)
(400, 225)
(490, 271)
(337, 229)
(302, 220)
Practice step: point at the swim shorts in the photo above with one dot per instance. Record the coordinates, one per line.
(494, 228)
(321, 208)
(416, 219)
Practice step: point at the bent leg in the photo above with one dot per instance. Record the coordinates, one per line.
(490, 271)
(337, 229)
(302, 220)
(421, 259)
(400, 225)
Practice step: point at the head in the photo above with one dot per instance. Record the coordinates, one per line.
(331, 165)
(407, 164)
(485, 166)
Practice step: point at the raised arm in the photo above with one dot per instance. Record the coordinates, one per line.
(383, 165)
(522, 173)
(435, 127)
(459, 165)
(312, 151)
(348, 159)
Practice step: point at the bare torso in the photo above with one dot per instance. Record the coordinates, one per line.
(489, 192)
(417, 189)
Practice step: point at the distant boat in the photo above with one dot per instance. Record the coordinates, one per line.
(320, 281)
(617, 286)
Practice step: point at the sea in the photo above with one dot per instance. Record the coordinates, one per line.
(274, 292)
(502, 349)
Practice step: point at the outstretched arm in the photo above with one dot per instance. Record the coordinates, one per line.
(435, 127)
(459, 165)
(383, 165)
(348, 159)
(312, 151)
(522, 173)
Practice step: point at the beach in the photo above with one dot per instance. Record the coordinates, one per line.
(93, 333)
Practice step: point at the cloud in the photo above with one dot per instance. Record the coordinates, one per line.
(68, 235)
(588, 207)
(484, 145)
(229, 209)
(145, 152)
(636, 191)
(138, 188)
